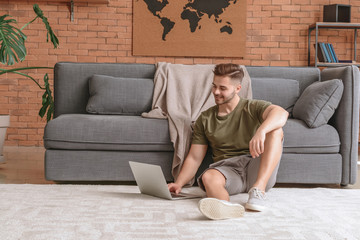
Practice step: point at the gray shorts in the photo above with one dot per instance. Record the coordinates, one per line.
(240, 173)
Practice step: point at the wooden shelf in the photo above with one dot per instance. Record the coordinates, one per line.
(72, 2)
(323, 64)
(66, 1)
(336, 25)
(331, 25)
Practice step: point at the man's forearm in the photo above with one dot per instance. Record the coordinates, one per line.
(188, 171)
(191, 163)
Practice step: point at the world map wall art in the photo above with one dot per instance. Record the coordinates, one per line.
(197, 28)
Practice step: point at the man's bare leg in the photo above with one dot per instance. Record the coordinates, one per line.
(217, 205)
(214, 183)
(269, 158)
(268, 162)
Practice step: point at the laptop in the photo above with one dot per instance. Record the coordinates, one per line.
(151, 181)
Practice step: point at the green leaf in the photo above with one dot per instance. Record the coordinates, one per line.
(50, 112)
(50, 33)
(12, 42)
(47, 101)
(43, 111)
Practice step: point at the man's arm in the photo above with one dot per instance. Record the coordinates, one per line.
(274, 118)
(191, 165)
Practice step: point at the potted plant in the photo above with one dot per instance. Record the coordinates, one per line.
(4, 123)
(13, 50)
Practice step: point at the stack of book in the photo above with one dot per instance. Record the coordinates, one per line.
(326, 53)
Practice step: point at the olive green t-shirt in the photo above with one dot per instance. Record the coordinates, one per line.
(229, 135)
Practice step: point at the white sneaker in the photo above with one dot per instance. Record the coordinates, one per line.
(220, 209)
(256, 200)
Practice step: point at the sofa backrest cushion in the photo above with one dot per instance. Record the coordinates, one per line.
(279, 91)
(117, 95)
(71, 81)
(304, 75)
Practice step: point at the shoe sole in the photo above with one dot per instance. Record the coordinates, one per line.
(216, 210)
(256, 208)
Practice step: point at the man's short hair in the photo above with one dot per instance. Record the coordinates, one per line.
(234, 71)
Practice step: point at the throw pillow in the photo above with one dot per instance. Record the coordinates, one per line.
(318, 102)
(117, 95)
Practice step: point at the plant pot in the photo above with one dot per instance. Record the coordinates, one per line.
(4, 123)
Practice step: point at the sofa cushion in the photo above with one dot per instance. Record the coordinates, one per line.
(107, 132)
(279, 91)
(117, 95)
(299, 138)
(134, 133)
(318, 102)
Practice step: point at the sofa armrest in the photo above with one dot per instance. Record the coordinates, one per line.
(346, 118)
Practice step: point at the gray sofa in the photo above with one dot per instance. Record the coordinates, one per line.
(93, 147)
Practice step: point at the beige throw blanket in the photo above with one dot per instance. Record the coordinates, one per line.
(181, 93)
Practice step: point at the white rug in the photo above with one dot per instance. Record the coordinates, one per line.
(52, 212)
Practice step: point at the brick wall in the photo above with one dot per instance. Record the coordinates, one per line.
(276, 36)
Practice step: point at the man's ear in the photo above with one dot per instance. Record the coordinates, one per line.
(238, 88)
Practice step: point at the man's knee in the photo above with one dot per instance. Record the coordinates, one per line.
(213, 177)
(276, 134)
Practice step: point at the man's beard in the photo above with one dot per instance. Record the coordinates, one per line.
(228, 99)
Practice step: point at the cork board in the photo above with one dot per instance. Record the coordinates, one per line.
(198, 28)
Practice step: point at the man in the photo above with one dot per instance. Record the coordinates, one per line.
(246, 140)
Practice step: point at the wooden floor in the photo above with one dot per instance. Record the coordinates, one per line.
(26, 165)
(23, 165)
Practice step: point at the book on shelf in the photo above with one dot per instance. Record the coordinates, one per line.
(327, 55)
(327, 45)
(333, 52)
(320, 53)
(347, 61)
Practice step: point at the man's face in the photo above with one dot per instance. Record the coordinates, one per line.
(224, 89)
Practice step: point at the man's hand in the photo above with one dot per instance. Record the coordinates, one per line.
(256, 144)
(175, 188)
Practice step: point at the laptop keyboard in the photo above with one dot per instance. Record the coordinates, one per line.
(177, 195)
